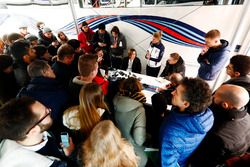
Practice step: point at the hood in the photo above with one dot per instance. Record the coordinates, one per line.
(70, 118)
(125, 104)
(224, 47)
(180, 61)
(77, 80)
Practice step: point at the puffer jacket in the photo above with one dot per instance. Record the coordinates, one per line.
(180, 135)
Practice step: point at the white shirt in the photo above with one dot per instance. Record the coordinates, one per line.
(130, 63)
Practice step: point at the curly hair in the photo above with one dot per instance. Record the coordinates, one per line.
(105, 147)
(197, 93)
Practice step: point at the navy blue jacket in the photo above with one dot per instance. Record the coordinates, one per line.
(180, 135)
(213, 61)
(64, 73)
(48, 92)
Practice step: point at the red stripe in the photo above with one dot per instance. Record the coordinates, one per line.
(171, 32)
(96, 18)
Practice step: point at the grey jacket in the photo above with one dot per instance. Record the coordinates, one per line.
(122, 45)
(131, 120)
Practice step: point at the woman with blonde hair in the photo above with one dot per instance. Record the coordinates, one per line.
(154, 55)
(130, 115)
(106, 148)
(91, 110)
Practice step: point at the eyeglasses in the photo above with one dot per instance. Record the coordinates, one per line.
(48, 112)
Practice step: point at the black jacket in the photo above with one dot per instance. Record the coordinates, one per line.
(64, 72)
(229, 136)
(8, 87)
(169, 69)
(136, 66)
(243, 81)
(47, 41)
(104, 38)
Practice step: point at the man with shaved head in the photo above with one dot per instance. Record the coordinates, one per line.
(230, 134)
(239, 71)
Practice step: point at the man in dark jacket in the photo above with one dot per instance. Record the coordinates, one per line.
(230, 134)
(213, 56)
(239, 69)
(175, 64)
(88, 68)
(62, 67)
(23, 55)
(101, 39)
(46, 89)
(47, 38)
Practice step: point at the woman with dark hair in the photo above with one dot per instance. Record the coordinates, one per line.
(105, 147)
(90, 111)
(62, 37)
(85, 37)
(118, 45)
(130, 115)
(131, 63)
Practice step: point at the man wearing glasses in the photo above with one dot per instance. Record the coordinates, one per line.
(23, 124)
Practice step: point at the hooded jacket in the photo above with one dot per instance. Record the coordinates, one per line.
(180, 135)
(213, 61)
(131, 120)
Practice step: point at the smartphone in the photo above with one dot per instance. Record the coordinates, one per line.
(65, 139)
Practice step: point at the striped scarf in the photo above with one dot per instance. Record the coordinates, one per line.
(139, 96)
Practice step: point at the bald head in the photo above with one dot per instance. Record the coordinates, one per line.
(176, 78)
(231, 96)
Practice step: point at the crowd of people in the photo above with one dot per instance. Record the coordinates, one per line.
(52, 85)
